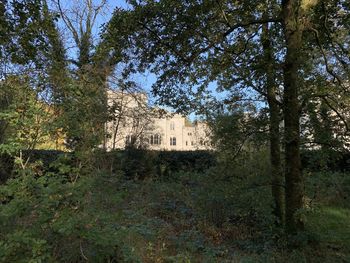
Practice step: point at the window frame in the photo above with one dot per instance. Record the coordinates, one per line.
(172, 126)
(173, 141)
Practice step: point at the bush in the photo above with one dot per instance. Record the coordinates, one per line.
(132, 163)
(45, 218)
(140, 163)
(242, 188)
(316, 160)
(45, 156)
(6, 167)
(328, 188)
(137, 163)
(196, 161)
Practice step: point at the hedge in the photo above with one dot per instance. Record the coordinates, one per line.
(135, 163)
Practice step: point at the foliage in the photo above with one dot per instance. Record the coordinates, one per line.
(83, 114)
(238, 130)
(197, 161)
(141, 163)
(48, 217)
(90, 205)
(27, 119)
(329, 188)
(24, 33)
(328, 223)
(65, 214)
(6, 167)
(326, 160)
(174, 40)
(134, 163)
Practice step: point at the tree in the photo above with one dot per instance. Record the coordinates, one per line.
(26, 50)
(297, 19)
(26, 59)
(175, 39)
(90, 68)
(127, 109)
(274, 111)
(210, 37)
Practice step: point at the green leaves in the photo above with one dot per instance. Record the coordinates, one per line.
(25, 118)
(45, 218)
(190, 45)
(23, 23)
(21, 246)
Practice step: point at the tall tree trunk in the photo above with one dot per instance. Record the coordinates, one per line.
(293, 30)
(274, 110)
(275, 155)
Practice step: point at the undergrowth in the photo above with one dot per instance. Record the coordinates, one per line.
(68, 214)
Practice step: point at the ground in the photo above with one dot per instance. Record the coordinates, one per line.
(170, 225)
(182, 217)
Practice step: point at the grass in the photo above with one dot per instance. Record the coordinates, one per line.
(331, 225)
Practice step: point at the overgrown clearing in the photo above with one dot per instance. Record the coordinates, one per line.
(184, 233)
(208, 216)
(81, 177)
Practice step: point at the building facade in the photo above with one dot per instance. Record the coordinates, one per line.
(132, 122)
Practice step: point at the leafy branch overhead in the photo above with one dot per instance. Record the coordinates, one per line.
(248, 49)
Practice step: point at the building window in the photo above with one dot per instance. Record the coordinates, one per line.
(173, 141)
(190, 134)
(172, 126)
(186, 143)
(192, 143)
(156, 139)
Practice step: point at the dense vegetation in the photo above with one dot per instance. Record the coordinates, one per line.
(274, 188)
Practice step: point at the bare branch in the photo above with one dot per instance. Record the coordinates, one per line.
(340, 116)
(68, 23)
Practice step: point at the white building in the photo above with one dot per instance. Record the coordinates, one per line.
(133, 122)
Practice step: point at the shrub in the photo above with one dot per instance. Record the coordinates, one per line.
(47, 217)
(137, 163)
(6, 167)
(196, 161)
(141, 163)
(331, 160)
(328, 188)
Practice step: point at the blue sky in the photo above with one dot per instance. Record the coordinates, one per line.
(144, 80)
